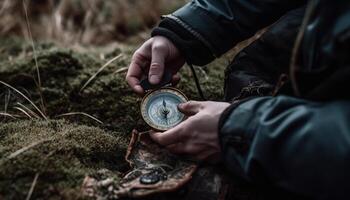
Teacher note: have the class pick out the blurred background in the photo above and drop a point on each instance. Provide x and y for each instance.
(82, 21)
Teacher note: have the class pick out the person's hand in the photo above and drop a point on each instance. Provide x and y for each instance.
(197, 136)
(151, 59)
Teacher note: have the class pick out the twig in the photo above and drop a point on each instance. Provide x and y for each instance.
(81, 113)
(29, 195)
(99, 71)
(25, 97)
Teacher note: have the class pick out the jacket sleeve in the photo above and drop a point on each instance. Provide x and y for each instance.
(297, 145)
(220, 24)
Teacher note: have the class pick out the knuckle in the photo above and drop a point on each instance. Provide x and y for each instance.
(188, 148)
(189, 104)
(182, 135)
(138, 56)
(155, 66)
(158, 46)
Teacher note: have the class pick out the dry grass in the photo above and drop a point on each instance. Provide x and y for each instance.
(81, 113)
(99, 71)
(7, 115)
(83, 21)
(32, 186)
(25, 97)
(23, 111)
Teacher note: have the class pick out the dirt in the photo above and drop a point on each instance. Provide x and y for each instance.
(72, 146)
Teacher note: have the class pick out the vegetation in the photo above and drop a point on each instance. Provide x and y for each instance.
(49, 158)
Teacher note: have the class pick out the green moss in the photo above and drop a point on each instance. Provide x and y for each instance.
(68, 152)
(75, 150)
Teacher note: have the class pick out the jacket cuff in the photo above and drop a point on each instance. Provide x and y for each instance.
(194, 51)
(207, 29)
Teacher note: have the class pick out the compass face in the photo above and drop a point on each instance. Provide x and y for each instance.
(159, 108)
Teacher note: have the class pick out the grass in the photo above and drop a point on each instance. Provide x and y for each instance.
(108, 100)
(38, 82)
(99, 71)
(44, 158)
(82, 22)
(80, 113)
(25, 97)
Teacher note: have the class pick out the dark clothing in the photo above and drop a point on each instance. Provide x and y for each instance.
(258, 68)
(298, 140)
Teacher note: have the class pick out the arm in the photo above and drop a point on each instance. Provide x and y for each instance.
(205, 29)
(301, 146)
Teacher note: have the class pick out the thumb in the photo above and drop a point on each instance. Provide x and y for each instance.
(190, 108)
(157, 64)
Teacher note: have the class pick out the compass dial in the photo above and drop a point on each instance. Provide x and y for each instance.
(159, 108)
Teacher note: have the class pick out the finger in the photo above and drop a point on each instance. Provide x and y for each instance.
(175, 80)
(172, 136)
(176, 148)
(183, 148)
(135, 72)
(157, 64)
(191, 107)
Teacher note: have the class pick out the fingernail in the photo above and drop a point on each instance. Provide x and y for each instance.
(138, 88)
(154, 79)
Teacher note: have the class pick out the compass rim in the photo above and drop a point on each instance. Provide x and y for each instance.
(143, 105)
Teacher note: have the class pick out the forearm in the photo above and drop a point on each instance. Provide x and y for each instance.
(300, 146)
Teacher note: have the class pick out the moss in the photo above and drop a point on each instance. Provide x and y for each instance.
(74, 150)
(69, 152)
(63, 73)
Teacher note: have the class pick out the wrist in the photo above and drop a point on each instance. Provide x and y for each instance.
(192, 50)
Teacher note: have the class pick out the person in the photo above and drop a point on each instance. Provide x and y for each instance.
(285, 122)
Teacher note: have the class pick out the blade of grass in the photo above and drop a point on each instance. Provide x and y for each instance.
(7, 115)
(80, 113)
(7, 100)
(34, 54)
(32, 113)
(29, 195)
(26, 148)
(25, 97)
(121, 70)
(23, 111)
(99, 71)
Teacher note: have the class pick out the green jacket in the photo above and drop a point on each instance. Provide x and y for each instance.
(300, 140)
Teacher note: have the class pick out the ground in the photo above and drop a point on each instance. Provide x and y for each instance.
(61, 149)
(53, 132)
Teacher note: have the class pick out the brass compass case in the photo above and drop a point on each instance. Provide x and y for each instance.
(159, 108)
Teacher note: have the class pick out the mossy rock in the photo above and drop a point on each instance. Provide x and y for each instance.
(61, 154)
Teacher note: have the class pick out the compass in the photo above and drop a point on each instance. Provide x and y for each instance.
(159, 108)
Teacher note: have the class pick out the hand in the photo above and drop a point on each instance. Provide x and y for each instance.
(150, 59)
(197, 136)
